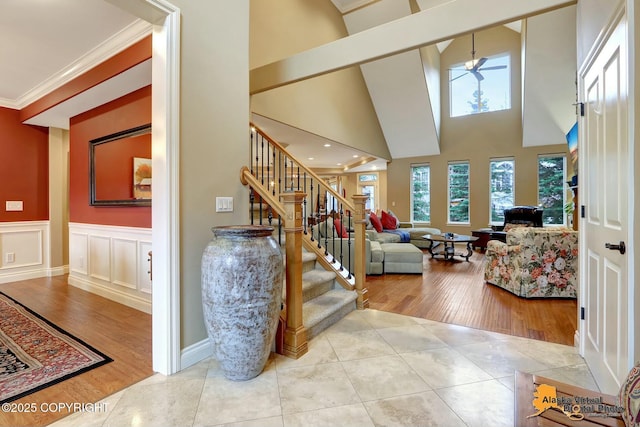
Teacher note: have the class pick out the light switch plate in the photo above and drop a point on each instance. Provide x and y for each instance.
(13, 205)
(224, 204)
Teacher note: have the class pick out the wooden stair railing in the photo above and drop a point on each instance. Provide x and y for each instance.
(284, 189)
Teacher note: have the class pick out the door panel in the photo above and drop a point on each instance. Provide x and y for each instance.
(605, 144)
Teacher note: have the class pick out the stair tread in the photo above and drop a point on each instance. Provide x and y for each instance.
(324, 305)
(313, 277)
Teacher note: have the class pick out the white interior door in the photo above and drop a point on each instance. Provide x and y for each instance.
(604, 184)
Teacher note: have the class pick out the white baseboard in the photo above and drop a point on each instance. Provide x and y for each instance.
(132, 301)
(33, 274)
(23, 275)
(58, 271)
(195, 353)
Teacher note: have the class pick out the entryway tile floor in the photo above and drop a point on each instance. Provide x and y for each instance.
(372, 368)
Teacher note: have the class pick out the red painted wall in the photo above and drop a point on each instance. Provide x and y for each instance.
(24, 168)
(124, 113)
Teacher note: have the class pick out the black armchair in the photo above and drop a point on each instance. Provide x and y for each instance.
(530, 216)
(527, 215)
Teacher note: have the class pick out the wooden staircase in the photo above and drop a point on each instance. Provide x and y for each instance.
(319, 290)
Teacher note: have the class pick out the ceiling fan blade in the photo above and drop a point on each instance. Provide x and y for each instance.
(495, 67)
(480, 63)
(456, 78)
(477, 74)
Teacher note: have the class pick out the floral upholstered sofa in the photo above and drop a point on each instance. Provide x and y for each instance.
(535, 262)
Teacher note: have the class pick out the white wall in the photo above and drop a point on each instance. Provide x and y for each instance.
(591, 18)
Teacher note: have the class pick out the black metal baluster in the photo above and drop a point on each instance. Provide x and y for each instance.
(341, 237)
(349, 242)
(319, 217)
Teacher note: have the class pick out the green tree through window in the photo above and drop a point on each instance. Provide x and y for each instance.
(551, 190)
(459, 192)
(420, 193)
(501, 190)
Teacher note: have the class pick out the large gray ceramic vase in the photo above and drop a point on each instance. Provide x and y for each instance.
(241, 296)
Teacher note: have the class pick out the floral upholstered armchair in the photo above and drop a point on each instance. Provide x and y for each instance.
(535, 262)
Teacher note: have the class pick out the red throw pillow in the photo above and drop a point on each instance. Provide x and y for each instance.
(375, 221)
(340, 229)
(388, 222)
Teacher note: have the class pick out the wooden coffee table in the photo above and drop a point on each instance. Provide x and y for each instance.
(444, 245)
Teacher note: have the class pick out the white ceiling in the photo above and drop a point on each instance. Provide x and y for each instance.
(42, 41)
(45, 44)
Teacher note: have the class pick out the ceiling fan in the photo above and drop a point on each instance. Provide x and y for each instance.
(473, 66)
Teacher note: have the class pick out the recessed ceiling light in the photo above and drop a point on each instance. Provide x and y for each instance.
(355, 156)
(339, 164)
(327, 145)
(310, 158)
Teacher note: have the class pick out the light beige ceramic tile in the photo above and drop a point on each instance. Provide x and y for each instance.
(358, 344)
(198, 370)
(486, 403)
(260, 422)
(444, 367)
(421, 409)
(102, 410)
(225, 401)
(385, 376)
(405, 339)
(344, 416)
(315, 387)
(382, 319)
(500, 358)
(320, 351)
(578, 375)
(168, 403)
(354, 321)
(455, 335)
(552, 354)
(509, 382)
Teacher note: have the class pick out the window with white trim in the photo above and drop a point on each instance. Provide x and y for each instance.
(482, 89)
(552, 194)
(501, 188)
(421, 193)
(458, 192)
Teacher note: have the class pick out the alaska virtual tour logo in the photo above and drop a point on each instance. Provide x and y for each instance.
(574, 407)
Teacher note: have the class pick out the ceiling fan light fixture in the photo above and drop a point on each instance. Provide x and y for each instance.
(470, 64)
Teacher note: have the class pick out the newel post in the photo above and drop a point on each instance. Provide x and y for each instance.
(360, 224)
(295, 334)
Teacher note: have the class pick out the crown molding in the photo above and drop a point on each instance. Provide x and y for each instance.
(113, 45)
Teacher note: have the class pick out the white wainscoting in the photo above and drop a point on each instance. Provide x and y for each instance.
(24, 247)
(112, 261)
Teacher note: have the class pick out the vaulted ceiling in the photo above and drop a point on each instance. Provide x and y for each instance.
(52, 42)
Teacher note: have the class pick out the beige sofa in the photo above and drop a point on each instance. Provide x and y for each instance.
(415, 232)
(374, 247)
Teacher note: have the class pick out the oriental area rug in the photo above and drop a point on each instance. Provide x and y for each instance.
(35, 353)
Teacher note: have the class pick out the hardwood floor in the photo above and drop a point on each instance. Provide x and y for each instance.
(455, 292)
(121, 332)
